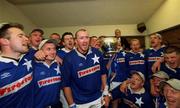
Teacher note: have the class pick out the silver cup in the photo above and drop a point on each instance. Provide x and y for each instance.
(109, 45)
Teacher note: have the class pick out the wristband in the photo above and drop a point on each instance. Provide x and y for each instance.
(72, 105)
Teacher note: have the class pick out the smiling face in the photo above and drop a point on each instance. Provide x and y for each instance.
(82, 41)
(49, 50)
(172, 59)
(172, 96)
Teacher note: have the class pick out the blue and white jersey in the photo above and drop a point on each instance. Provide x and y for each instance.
(47, 81)
(83, 75)
(136, 62)
(159, 102)
(173, 73)
(140, 99)
(152, 55)
(16, 85)
(118, 66)
(62, 52)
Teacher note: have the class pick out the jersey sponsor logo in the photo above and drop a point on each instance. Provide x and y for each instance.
(49, 81)
(151, 59)
(15, 86)
(88, 71)
(121, 60)
(136, 62)
(5, 75)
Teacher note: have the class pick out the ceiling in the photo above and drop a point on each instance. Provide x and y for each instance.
(57, 13)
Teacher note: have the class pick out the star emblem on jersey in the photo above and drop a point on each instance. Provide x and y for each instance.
(96, 59)
(142, 55)
(123, 53)
(139, 101)
(57, 69)
(28, 64)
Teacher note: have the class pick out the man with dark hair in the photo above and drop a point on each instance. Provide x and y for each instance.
(171, 63)
(68, 43)
(16, 89)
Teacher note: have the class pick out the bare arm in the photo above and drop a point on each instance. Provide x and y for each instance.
(103, 79)
(68, 95)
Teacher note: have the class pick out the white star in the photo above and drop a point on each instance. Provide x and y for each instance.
(141, 55)
(139, 101)
(57, 70)
(95, 59)
(28, 64)
(124, 54)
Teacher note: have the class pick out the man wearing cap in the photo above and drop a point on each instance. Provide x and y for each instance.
(136, 95)
(171, 92)
(47, 76)
(155, 92)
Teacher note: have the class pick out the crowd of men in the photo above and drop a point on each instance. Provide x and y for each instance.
(71, 71)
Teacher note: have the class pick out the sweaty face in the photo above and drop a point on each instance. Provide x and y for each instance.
(49, 50)
(35, 39)
(155, 41)
(135, 46)
(82, 41)
(18, 41)
(172, 96)
(172, 59)
(136, 82)
(68, 42)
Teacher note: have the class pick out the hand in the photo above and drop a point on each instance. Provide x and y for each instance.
(156, 66)
(106, 99)
(124, 85)
(39, 55)
(59, 60)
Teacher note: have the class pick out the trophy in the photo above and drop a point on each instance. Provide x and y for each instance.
(109, 45)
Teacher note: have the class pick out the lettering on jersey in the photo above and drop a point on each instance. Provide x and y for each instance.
(5, 75)
(135, 62)
(151, 59)
(15, 86)
(49, 81)
(88, 71)
(120, 60)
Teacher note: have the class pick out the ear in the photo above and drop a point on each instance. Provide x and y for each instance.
(4, 41)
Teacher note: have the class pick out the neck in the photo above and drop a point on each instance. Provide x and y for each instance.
(68, 49)
(136, 90)
(157, 47)
(10, 53)
(82, 52)
(48, 62)
(136, 51)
